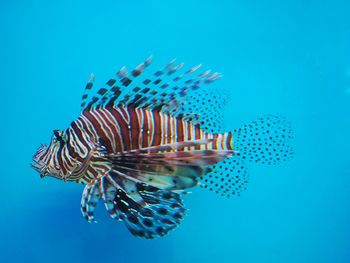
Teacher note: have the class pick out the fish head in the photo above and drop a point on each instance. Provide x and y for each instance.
(45, 160)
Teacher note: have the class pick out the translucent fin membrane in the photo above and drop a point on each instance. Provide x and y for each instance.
(87, 91)
(266, 140)
(147, 211)
(162, 214)
(208, 107)
(227, 178)
(90, 198)
(164, 90)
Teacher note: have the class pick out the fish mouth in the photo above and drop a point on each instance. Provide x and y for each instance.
(44, 170)
(37, 164)
(40, 168)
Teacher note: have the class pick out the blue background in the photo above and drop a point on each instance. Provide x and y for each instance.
(286, 57)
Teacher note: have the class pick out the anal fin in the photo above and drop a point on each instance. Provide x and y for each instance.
(227, 178)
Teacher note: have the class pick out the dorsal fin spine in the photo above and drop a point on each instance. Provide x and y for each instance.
(158, 92)
(87, 89)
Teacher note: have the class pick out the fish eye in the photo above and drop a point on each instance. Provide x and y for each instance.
(58, 137)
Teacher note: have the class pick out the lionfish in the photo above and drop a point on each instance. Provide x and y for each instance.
(143, 140)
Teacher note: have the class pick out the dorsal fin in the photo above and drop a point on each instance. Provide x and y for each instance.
(172, 89)
(115, 85)
(205, 107)
(164, 90)
(87, 90)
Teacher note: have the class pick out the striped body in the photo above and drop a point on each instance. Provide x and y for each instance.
(121, 129)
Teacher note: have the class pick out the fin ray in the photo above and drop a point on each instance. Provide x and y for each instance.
(265, 141)
(91, 196)
(159, 212)
(165, 90)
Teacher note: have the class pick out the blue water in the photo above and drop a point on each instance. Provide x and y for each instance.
(286, 57)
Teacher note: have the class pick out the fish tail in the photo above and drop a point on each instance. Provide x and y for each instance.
(265, 141)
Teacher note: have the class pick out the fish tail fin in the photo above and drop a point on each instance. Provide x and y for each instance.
(265, 141)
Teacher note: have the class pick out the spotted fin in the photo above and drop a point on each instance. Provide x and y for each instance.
(164, 90)
(88, 88)
(91, 196)
(265, 141)
(113, 87)
(147, 211)
(205, 107)
(228, 177)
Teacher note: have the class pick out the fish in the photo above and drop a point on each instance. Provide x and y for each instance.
(143, 140)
